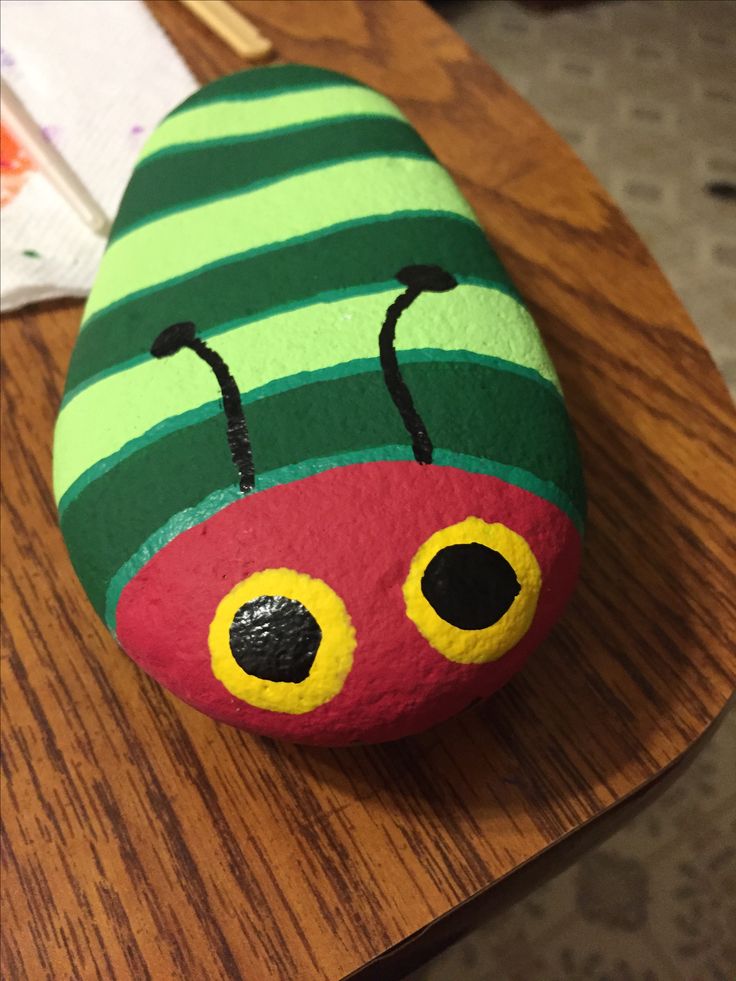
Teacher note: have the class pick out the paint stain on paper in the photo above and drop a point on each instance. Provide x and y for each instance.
(51, 133)
(15, 166)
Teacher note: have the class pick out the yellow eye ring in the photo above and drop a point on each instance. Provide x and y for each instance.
(475, 646)
(332, 661)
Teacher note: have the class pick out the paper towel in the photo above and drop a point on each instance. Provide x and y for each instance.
(97, 76)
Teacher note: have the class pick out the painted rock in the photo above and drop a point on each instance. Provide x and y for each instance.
(313, 466)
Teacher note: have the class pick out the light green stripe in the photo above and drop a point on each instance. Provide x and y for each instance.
(247, 117)
(329, 296)
(103, 418)
(220, 499)
(181, 243)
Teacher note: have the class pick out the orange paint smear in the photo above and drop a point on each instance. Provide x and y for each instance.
(15, 166)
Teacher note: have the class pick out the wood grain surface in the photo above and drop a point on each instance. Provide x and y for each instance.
(142, 840)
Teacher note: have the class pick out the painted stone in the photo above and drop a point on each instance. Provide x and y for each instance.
(313, 465)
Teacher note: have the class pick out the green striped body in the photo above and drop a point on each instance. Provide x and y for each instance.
(273, 209)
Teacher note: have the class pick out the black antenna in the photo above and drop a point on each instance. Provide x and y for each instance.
(418, 280)
(178, 336)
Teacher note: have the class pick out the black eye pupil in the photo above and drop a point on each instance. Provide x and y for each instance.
(470, 586)
(275, 638)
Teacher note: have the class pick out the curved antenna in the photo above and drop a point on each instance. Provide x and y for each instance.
(171, 341)
(418, 280)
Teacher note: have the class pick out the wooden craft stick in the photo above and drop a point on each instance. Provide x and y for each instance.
(235, 30)
(50, 162)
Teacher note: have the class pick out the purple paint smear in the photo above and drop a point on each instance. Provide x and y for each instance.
(135, 130)
(51, 133)
(6, 59)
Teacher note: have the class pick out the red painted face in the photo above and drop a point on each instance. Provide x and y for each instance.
(342, 545)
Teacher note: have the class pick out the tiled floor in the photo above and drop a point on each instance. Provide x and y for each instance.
(646, 94)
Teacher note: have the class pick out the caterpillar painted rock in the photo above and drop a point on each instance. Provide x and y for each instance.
(313, 466)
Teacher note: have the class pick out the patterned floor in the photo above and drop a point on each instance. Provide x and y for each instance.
(645, 92)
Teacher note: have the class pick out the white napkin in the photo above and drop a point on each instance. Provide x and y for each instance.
(97, 76)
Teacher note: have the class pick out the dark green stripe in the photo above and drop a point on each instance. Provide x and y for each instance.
(242, 287)
(216, 142)
(261, 82)
(468, 408)
(170, 183)
(208, 409)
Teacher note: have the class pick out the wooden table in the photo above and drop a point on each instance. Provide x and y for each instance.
(143, 840)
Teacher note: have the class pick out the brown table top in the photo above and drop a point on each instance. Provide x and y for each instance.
(144, 840)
